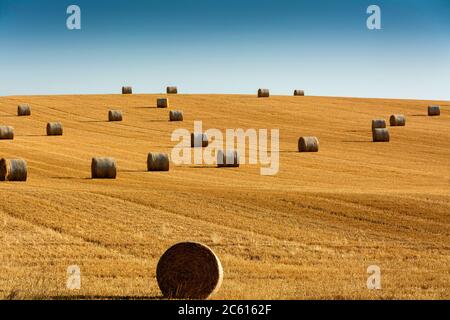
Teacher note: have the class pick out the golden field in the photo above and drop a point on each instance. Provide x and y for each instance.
(309, 232)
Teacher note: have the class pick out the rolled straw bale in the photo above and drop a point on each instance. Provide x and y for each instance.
(115, 115)
(378, 123)
(6, 133)
(199, 140)
(13, 170)
(162, 103)
(103, 168)
(171, 90)
(434, 111)
(299, 93)
(189, 270)
(263, 93)
(157, 161)
(23, 110)
(176, 115)
(308, 144)
(397, 120)
(54, 129)
(127, 90)
(380, 135)
(230, 158)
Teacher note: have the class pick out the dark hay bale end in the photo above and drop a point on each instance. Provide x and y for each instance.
(380, 135)
(230, 158)
(308, 144)
(115, 115)
(263, 93)
(54, 129)
(176, 115)
(378, 123)
(189, 270)
(157, 161)
(199, 140)
(299, 93)
(23, 110)
(103, 168)
(127, 90)
(6, 133)
(172, 90)
(13, 170)
(162, 103)
(397, 120)
(434, 111)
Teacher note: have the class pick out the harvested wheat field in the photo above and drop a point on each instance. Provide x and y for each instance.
(309, 232)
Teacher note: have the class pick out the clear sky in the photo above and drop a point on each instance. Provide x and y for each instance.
(227, 46)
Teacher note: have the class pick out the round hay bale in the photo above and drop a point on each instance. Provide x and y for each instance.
(115, 115)
(54, 129)
(397, 120)
(434, 111)
(13, 170)
(199, 140)
(378, 123)
(230, 158)
(176, 115)
(6, 133)
(127, 90)
(263, 93)
(157, 161)
(189, 270)
(103, 168)
(171, 90)
(23, 110)
(299, 93)
(308, 144)
(162, 103)
(380, 135)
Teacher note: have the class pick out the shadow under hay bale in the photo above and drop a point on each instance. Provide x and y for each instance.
(397, 120)
(115, 115)
(23, 110)
(434, 111)
(378, 124)
(299, 93)
(263, 93)
(229, 158)
(189, 270)
(175, 115)
(103, 168)
(157, 161)
(6, 133)
(54, 129)
(308, 144)
(199, 140)
(127, 90)
(162, 103)
(13, 170)
(380, 135)
(171, 90)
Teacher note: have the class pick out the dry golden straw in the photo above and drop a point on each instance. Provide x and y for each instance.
(103, 168)
(162, 103)
(157, 161)
(176, 115)
(54, 129)
(380, 135)
(23, 110)
(397, 120)
(299, 93)
(115, 115)
(13, 170)
(199, 140)
(171, 90)
(6, 133)
(189, 270)
(263, 93)
(434, 111)
(378, 123)
(230, 158)
(127, 90)
(308, 144)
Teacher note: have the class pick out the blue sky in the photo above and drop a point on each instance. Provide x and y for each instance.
(232, 46)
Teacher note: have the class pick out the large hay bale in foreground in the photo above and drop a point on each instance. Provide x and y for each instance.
(115, 115)
(176, 115)
(23, 110)
(378, 123)
(172, 90)
(380, 135)
(189, 270)
(13, 170)
(263, 93)
(299, 93)
(103, 168)
(6, 133)
(199, 140)
(229, 158)
(127, 90)
(308, 144)
(397, 120)
(157, 161)
(162, 103)
(434, 111)
(54, 129)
